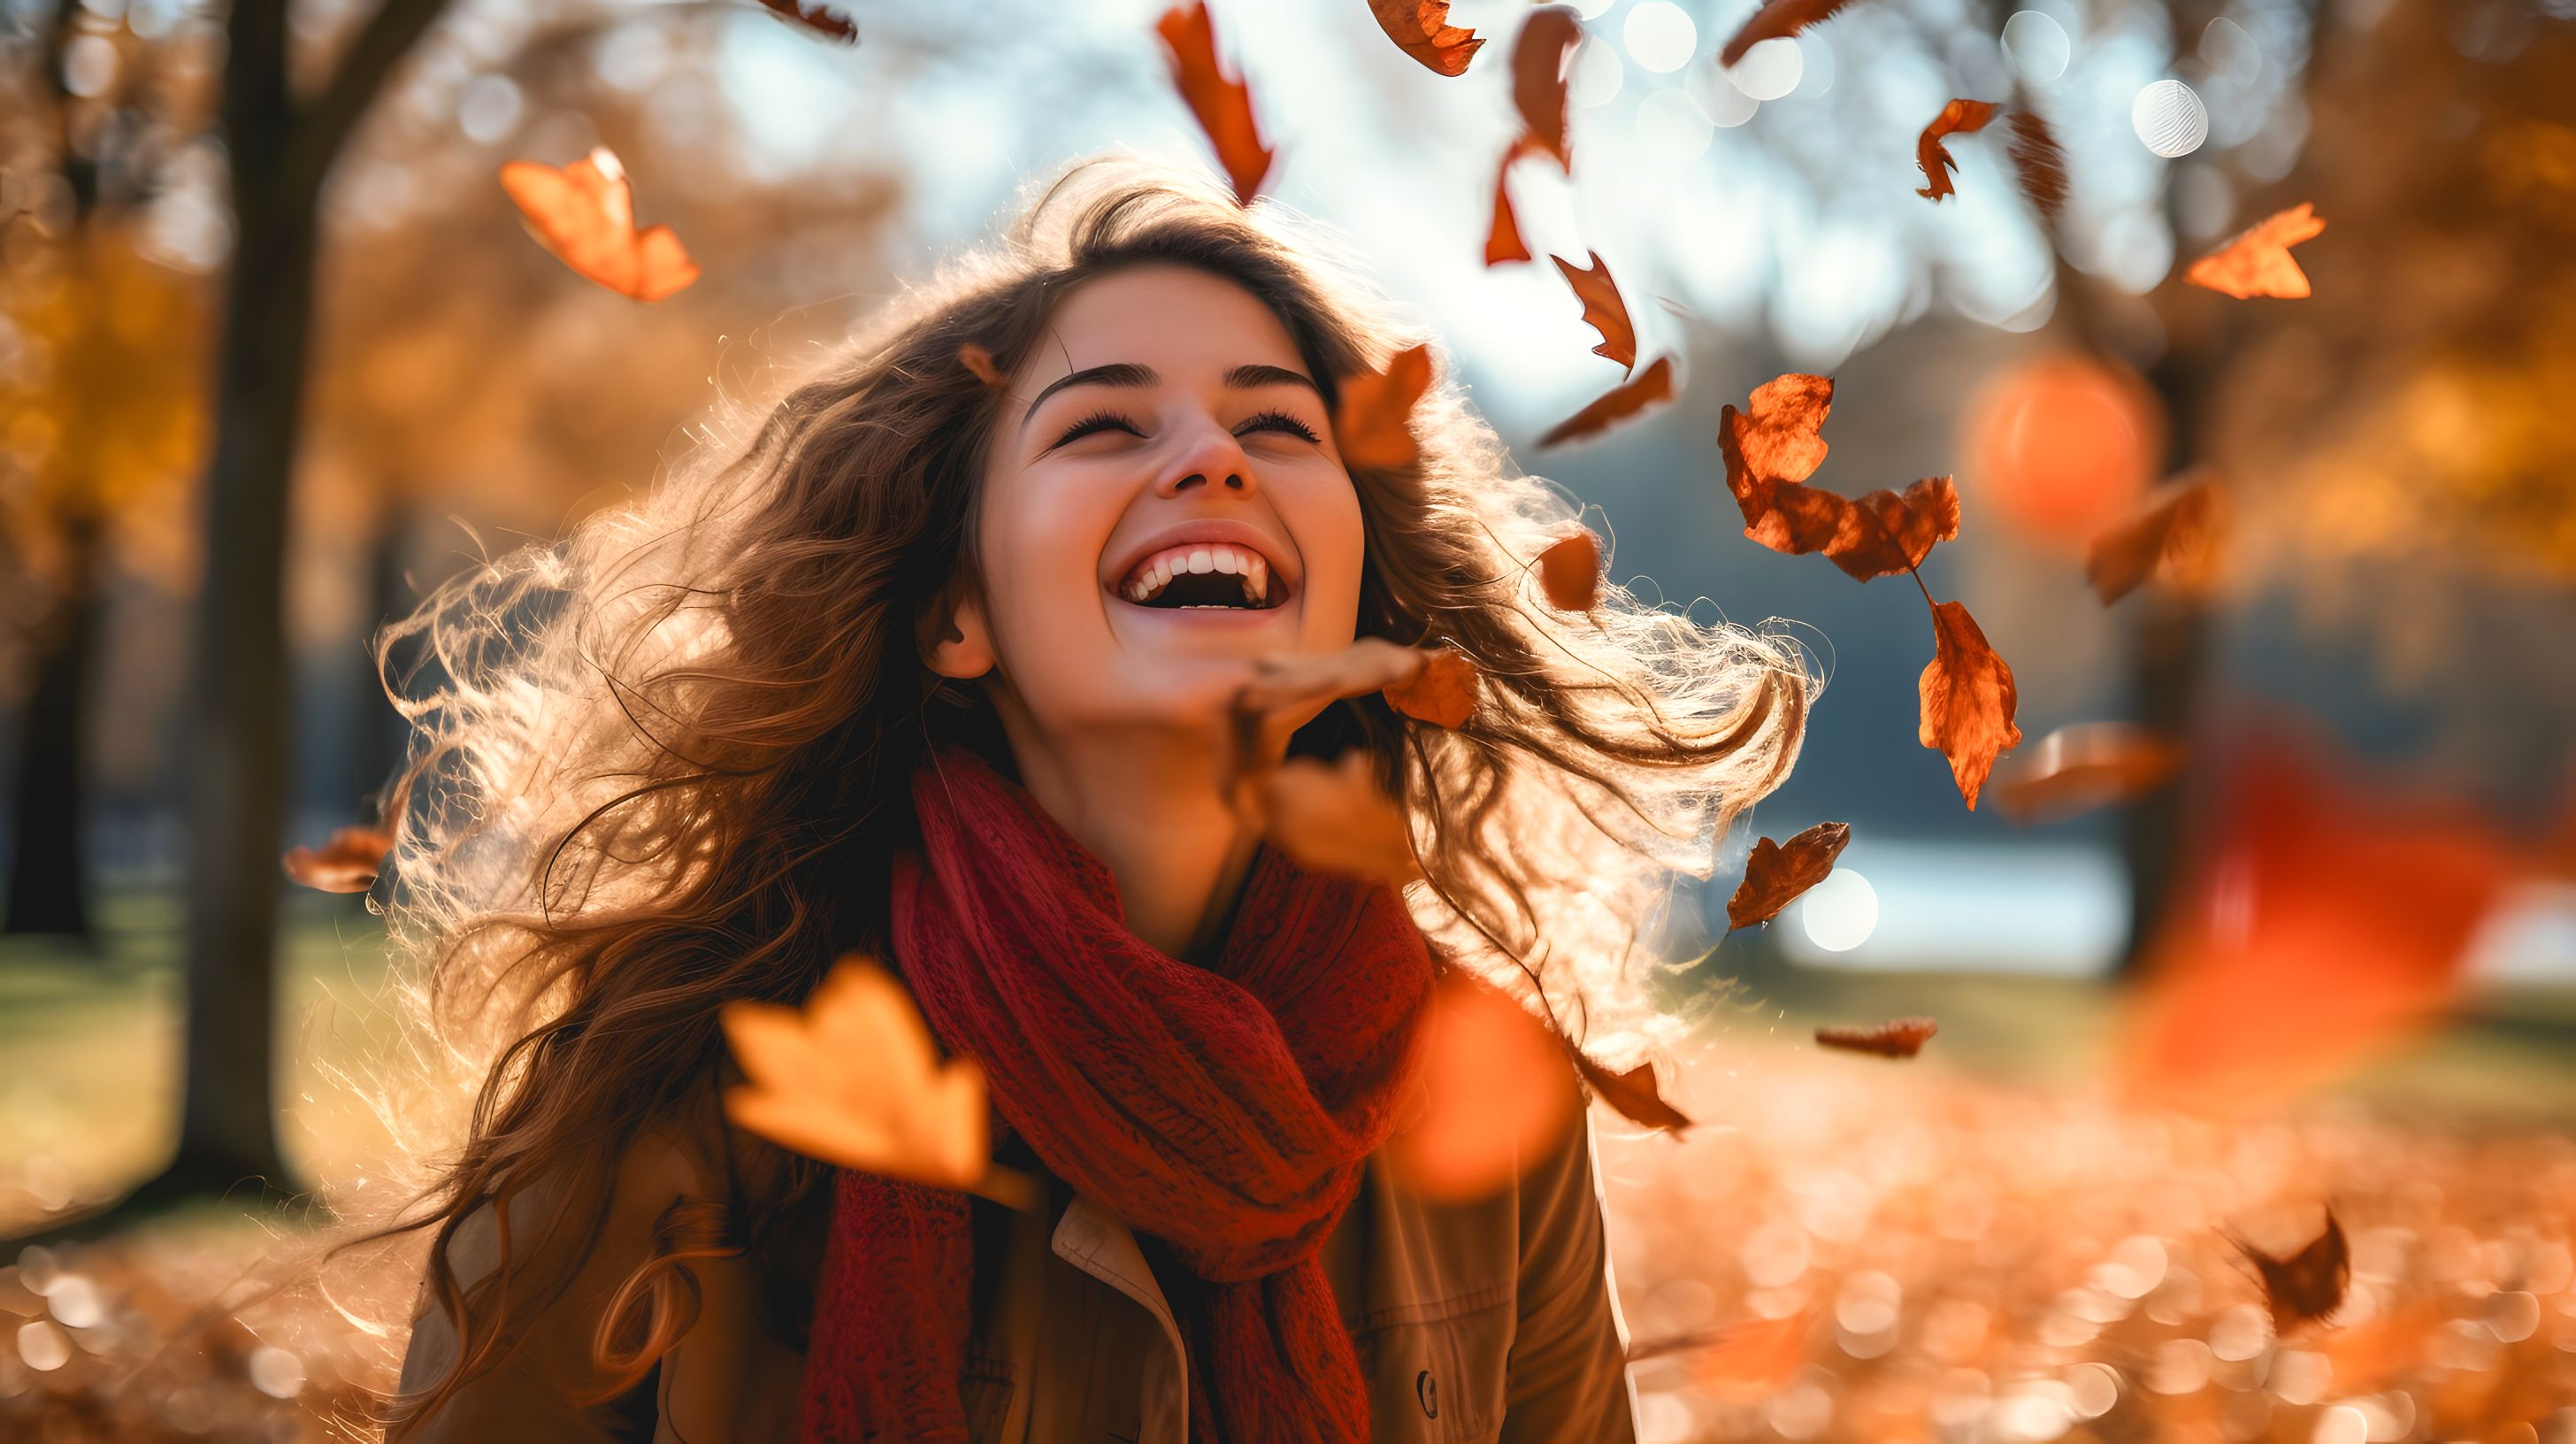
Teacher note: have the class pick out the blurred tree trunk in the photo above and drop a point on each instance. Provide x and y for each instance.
(280, 148)
(47, 880)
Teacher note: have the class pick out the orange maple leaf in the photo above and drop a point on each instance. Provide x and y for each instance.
(1968, 699)
(1222, 104)
(1959, 117)
(1603, 310)
(2258, 261)
(1421, 29)
(1641, 392)
(1775, 874)
(1373, 418)
(1773, 445)
(585, 214)
(854, 1078)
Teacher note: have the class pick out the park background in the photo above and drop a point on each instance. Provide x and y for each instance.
(207, 506)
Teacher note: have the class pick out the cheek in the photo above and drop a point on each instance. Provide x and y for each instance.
(1040, 539)
(1334, 544)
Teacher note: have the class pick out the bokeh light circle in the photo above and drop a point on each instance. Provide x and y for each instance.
(2037, 46)
(1596, 73)
(1659, 35)
(2169, 119)
(1770, 70)
(1672, 128)
(1841, 912)
(2062, 445)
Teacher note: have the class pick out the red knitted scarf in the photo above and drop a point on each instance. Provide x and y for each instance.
(1226, 1110)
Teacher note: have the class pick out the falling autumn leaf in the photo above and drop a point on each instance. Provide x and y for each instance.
(2321, 922)
(854, 1078)
(1603, 310)
(1896, 1038)
(1547, 39)
(1968, 699)
(1774, 875)
(1373, 420)
(1222, 104)
(1639, 393)
(2038, 160)
(2084, 766)
(2305, 1286)
(349, 862)
(2171, 537)
(1441, 691)
(1775, 19)
(585, 214)
(1777, 441)
(2258, 262)
(1495, 1094)
(1421, 29)
(1634, 1095)
(817, 19)
(980, 361)
(1503, 241)
(1959, 117)
(1331, 817)
(1569, 572)
(1300, 680)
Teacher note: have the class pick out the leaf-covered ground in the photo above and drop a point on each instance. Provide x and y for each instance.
(1842, 1248)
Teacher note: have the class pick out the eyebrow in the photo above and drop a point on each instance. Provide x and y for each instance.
(1131, 375)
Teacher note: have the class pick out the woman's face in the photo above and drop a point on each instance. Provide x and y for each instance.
(1162, 504)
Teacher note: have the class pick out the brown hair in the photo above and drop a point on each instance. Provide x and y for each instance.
(664, 762)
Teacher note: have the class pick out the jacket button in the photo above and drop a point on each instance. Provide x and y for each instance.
(1427, 1389)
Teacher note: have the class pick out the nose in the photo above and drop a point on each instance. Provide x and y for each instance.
(1209, 461)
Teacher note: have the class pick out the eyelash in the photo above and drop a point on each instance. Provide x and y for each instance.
(1111, 420)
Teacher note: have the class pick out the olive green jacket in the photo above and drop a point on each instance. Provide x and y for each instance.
(1492, 1321)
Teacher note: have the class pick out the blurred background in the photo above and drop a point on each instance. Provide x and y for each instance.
(277, 357)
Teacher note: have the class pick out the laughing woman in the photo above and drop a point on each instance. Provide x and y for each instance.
(934, 666)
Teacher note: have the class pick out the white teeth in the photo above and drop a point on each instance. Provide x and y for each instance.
(1227, 559)
(1152, 576)
(1202, 561)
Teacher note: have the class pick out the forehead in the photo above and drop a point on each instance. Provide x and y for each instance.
(1170, 318)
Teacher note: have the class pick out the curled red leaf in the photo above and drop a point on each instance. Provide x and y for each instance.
(1959, 117)
(1633, 1094)
(1570, 573)
(1603, 310)
(1546, 41)
(1421, 29)
(817, 19)
(1503, 239)
(1775, 19)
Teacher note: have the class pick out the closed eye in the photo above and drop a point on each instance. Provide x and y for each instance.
(1113, 421)
(1277, 421)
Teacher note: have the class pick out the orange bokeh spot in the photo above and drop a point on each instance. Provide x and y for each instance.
(2063, 444)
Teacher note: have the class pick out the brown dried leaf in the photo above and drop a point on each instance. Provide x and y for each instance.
(817, 19)
(1222, 104)
(1570, 573)
(1775, 19)
(1776, 874)
(1373, 422)
(349, 862)
(2172, 537)
(2306, 1286)
(1633, 1094)
(1639, 393)
(1503, 241)
(1300, 680)
(1441, 691)
(1603, 310)
(2084, 766)
(1959, 117)
(1331, 817)
(1421, 29)
(1547, 39)
(855, 1079)
(2039, 160)
(1968, 699)
(1780, 433)
(1896, 1038)
(2258, 262)
(1779, 440)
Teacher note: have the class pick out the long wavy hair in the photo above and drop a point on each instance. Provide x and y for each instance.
(662, 764)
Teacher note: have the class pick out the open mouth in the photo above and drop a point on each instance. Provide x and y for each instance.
(1204, 576)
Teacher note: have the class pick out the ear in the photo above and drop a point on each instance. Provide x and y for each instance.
(955, 642)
